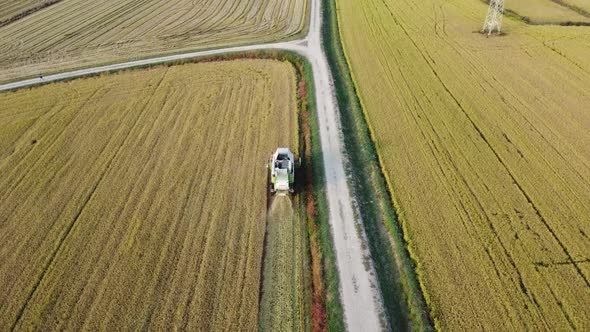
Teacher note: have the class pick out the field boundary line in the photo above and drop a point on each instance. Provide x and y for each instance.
(576, 9)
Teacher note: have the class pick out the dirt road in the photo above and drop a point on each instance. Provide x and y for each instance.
(359, 290)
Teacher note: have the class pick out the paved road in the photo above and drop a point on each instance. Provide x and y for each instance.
(359, 291)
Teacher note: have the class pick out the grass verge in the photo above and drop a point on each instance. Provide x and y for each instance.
(326, 310)
(402, 295)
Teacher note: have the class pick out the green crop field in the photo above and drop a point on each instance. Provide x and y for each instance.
(74, 33)
(485, 146)
(137, 200)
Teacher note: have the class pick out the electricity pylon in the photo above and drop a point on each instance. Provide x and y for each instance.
(494, 17)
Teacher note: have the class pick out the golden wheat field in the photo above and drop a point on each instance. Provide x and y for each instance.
(138, 200)
(485, 143)
(549, 11)
(578, 5)
(74, 33)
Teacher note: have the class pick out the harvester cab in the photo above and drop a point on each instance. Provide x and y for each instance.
(282, 171)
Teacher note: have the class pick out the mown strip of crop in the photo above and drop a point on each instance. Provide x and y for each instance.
(326, 310)
(116, 39)
(403, 298)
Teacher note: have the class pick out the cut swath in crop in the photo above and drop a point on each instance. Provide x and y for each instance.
(283, 290)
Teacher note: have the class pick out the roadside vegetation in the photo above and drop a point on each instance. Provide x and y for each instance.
(76, 33)
(138, 199)
(326, 311)
(484, 146)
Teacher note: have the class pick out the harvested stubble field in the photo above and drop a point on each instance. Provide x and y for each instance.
(486, 149)
(11, 10)
(74, 33)
(138, 200)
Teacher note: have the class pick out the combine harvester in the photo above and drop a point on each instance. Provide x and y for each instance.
(282, 172)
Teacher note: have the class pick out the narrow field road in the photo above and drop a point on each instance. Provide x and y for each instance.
(359, 290)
